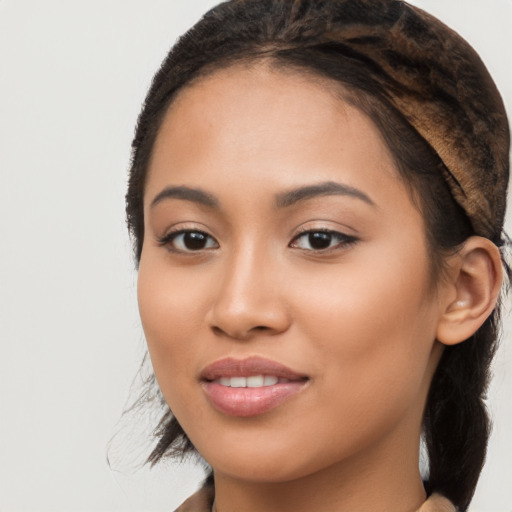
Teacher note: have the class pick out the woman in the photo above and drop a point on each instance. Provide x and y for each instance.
(316, 200)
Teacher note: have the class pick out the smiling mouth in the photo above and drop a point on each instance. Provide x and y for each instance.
(253, 381)
(249, 387)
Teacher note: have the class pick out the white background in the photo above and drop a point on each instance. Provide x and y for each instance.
(73, 75)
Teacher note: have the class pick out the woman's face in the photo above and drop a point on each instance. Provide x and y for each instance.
(283, 254)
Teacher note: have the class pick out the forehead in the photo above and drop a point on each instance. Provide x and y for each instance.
(242, 117)
(270, 77)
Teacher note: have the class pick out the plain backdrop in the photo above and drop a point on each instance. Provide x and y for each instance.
(73, 75)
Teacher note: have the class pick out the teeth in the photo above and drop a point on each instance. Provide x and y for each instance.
(253, 381)
(238, 382)
(270, 380)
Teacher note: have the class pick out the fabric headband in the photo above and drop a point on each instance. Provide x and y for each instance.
(442, 88)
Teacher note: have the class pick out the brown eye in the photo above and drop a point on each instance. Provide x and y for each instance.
(189, 241)
(321, 240)
(195, 241)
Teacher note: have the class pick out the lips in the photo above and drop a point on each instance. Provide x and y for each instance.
(249, 387)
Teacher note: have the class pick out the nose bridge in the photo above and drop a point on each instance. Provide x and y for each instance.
(248, 297)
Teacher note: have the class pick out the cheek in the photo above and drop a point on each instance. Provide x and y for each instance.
(170, 306)
(373, 328)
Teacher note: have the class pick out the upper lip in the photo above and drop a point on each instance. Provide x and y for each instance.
(231, 367)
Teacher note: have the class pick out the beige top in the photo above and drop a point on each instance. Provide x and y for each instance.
(202, 501)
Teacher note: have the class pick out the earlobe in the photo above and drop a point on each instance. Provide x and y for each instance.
(474, 284)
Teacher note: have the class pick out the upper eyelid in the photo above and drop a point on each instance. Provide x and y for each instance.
(349, 239)
(186, 227)
(304, 230)
(171, 234)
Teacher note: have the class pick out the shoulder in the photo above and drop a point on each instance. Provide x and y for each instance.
(437, 503)
(201, 501)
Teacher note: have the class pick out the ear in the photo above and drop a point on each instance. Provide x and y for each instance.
(470, 295)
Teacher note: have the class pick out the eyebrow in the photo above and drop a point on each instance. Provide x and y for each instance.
(329, 188)
(195, 195)
(283, 200)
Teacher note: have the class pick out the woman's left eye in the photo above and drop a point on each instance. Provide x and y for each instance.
(321, 240)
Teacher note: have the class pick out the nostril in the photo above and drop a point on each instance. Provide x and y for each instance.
(217, 330)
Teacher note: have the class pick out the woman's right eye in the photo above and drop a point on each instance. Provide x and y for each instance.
(188, 241)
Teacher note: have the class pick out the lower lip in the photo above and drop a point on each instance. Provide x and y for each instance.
(250, 401)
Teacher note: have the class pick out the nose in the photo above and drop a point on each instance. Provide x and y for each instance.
(249, 299)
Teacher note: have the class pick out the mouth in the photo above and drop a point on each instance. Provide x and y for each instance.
(249, 387)
(253, 381)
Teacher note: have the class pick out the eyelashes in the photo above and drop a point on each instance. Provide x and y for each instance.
(190, 241)
(321, 240)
